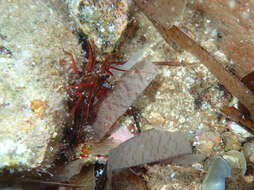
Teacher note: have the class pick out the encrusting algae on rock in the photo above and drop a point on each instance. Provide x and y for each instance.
(103, 21)
(32, 82)
(39, 107)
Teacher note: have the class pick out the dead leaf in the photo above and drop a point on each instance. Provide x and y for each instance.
(148, 147)
(126, 91)
(154, 9)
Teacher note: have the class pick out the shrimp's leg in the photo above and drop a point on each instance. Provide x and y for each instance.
(77, 103)
(73, 62)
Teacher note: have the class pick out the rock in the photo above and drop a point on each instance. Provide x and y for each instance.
(32, 93)
(249, 179)
(231, 141)
(206, 148)
(206, 142)
(103, 21)
(156, 118)
(248, 150)
(236, 161)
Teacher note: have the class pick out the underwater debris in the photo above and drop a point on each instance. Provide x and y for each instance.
(237, 116)
(148, 147)
(122, 96)
(29, 182)
(232, 84)
(124, 133)
(71, 169)
(248, 80)
(218, 68)
(233, 20)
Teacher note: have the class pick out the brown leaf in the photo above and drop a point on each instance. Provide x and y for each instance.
(154, 9)
(248, 80)
(149, 147)
(237, 116)
(126, 90)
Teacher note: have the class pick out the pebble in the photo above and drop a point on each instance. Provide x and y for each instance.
(103, 21)
(249, 179)
(248, 150)
(207, 141)
(231, 141)
(236, 161)
(156, 118)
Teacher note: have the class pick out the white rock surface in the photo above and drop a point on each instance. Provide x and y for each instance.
(32, 80)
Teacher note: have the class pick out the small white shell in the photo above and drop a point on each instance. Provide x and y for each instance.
(239, 131)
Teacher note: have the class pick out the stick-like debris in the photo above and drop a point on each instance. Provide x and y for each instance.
(160, 18)
(174, 63)
(232, 84)
(236, 115)
(234, 26)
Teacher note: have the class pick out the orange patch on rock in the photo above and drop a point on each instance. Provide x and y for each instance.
(38, 107)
